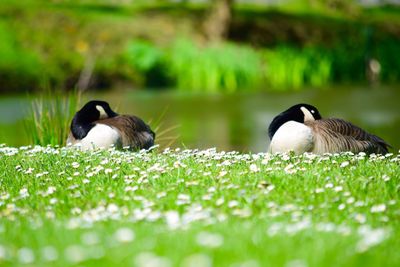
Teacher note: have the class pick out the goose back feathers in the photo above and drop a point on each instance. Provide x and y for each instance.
(337, 135)
(135, 132)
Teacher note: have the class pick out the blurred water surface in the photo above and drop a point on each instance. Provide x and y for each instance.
(229, 122)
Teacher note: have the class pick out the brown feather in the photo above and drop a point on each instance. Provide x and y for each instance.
(337, 135)
(134, 132)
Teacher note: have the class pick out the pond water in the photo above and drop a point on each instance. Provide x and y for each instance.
(229, 122)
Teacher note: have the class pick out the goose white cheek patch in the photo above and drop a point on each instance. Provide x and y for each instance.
(307, 114)
(103, 114)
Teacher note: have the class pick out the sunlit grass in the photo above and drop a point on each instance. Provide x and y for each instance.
(63, 207)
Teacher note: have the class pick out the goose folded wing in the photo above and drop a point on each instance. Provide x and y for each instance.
(135, 132)
(339, 135)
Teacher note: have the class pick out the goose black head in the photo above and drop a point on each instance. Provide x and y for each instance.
(92, 111)
(299, 113)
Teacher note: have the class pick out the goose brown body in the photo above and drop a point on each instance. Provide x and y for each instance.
(97, 126)
(302, 129)
(134, 132)
(337, 135)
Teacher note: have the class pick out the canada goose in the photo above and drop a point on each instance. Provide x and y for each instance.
(95, 125)
(301, 129)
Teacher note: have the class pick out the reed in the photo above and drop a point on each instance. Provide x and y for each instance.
(166, 136)
(223, 67)
(220, 67)
(50, 116)
(293, 68)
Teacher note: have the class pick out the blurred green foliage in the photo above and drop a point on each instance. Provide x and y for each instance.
(287, 67)
(19, 67)
(389, 56)
(141, 46)
(143, 55)
(149, 61)
(189, 66)
(218, 67)
(227, 67)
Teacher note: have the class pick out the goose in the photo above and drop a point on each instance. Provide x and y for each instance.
(302, 129)
(96, 125)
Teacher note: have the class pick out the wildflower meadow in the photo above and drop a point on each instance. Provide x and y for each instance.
(65, 207)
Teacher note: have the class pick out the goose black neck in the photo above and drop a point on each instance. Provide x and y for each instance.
(81, 125)
(281, 119)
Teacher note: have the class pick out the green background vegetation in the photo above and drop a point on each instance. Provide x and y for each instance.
(162, 45)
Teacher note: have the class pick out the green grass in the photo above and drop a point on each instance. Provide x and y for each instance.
(61, 207)
(50, 116)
